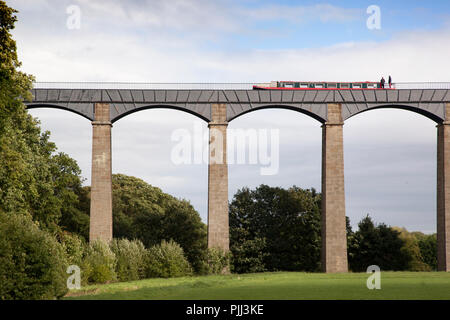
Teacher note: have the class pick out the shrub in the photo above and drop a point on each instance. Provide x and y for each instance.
(99, 263)
(131, 259)
(249, 255)
(167, 260)
(428, 250)
(217, 261)
(74, 247)
(32, 262)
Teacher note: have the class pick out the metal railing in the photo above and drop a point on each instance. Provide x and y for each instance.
(143, 86)
(421, 85)
(203, 86)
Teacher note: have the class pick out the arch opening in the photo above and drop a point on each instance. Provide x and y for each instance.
(299, 164)
(145, 145)
(71, 134)
(390, 169)
(428, 114)
(298, 161)
(313, 115)
(160, 106)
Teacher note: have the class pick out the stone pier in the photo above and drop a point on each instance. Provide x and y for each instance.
(334, 237)
(218, 228)
(443, 192)
(101, 185)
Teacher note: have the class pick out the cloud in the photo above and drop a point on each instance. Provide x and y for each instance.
(302, 14)
(121, 41)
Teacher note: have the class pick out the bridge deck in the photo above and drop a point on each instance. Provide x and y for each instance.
(430, 102)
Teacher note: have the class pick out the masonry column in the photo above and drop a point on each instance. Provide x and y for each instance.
(218, 228)
(101, 185)
(443, 192)
(334, 235)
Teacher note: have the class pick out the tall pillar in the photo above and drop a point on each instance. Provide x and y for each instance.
(334, 235)
(218, 228)
(443, 192)
(101, 185)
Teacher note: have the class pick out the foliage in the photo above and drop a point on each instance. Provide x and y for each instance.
(167, 260)
(131, 259)
(99, 263)
(412, 249)
(68, 187)
(74, 247)
(32, 263)
(144, 212)
(249, 255)
(32, 178)
(14, 85)
(377, 245)
(428, 249)
(275, 229)
(216, 261)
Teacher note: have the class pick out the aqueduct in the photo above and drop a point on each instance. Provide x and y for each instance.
(218, 107)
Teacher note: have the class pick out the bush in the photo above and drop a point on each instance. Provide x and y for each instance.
(74, 247)
(99, 263)
(248, 256)
(144, 212)
(32, 262)
(167, 260)
(217, 261)
(131, 259)
(411, 249)
(428, 250)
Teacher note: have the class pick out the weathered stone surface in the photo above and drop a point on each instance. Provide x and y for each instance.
(218, 225)
(334, 237)
(101, 186)
(443, 193)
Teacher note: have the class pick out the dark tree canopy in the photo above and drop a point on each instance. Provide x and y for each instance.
(275, 229)
(378, 245)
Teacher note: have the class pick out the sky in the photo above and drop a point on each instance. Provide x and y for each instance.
(389, 154)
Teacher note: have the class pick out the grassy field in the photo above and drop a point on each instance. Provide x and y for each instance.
(278, 286)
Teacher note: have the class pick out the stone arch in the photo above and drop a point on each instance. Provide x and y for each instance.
(84, 110)
(435, 112)
(315, 111)
(202, 111)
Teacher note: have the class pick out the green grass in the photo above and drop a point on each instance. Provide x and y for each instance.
(279, 286)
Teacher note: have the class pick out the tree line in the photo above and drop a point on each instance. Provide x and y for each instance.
(274, 229)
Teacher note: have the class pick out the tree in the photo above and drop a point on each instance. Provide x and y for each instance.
(428, 249)
(74, 198)
(377, 245)
(275, 229)
(32, 263)
(14, 85)
(144, 212)
(33, 179)
(412, 249)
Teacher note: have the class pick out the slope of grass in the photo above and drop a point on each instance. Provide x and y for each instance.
(279, 286)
